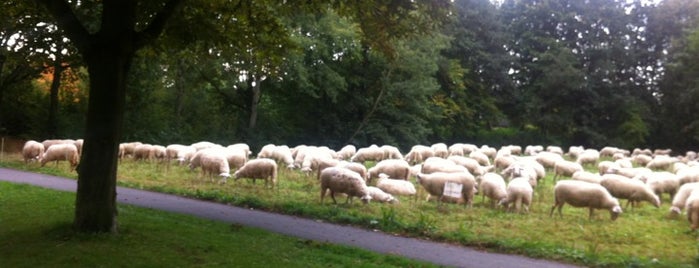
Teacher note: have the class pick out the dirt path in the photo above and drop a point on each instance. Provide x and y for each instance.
(438, 253)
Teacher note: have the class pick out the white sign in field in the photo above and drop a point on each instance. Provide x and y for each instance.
(452, 189)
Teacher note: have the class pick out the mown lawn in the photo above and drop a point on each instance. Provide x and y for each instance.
(35, 232)
(643, 236)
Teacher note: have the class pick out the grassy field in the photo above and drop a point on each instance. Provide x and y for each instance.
(641, 237)
(35, 232)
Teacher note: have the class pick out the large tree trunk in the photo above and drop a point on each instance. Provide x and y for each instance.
(95, 208)
(254, 85)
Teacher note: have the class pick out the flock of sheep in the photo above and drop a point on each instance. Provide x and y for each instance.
(506, 176)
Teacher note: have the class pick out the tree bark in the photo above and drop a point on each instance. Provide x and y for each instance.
(254, 101)
(95, 208)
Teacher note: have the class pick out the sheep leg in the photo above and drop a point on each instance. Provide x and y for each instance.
(322, 194)
(591, 212)
(332, 195)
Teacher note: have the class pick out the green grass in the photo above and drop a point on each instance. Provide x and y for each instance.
(35, 232)
(641, 237)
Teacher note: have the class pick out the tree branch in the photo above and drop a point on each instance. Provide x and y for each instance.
(66, 20)
(156, 26)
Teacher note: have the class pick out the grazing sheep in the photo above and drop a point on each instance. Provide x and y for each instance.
(521, 169)
(143, 152)
(391, 152)
(266, 151)
(394, 186)
(438, 164)
(282, 154)
(158, 152)
(661, 182)
(574, 151)
(586, 176)
(241, 147)
(565, 168)
(519, 192)
(584, 194)
(692, 208)
(493, 186)
(689, 174)
(127, 148)
(641, 159)
(481, 157)
(381, 196)
(79, 144)
(236, 158)
(182, 153)
(471, 164)
(212, 161)
(661, 162)
(418, 154)
(680, 199)
(394, 168)
(662, 152)
(434, 184)
(63, 151)
(342, 180)
(440, 150)
(532, 150)
(49, 143)
(608, 151)
(628, 172)
(555, 149)
(503, 161)
(589, 156)
(548, 159)
(634, 191)
(456, 149)
(356, 167)
(488, 151)
(371, 153)
(260, 168)
(204, 145)
(32, 151)
(604, 166)
(347, 152)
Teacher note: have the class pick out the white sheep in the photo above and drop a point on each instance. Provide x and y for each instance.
(574, 151)
(182, 153)
(371, 153)
(260, 168)
(689, 174)
(604, 166)
(555, 149)
(493, 186)
(565, 168)
(158, 152)
(680, 199)
(440, 150)
(548, 159)
(519, 192)
(438, 164)
(49, 143)
(342, 180)
(418, 154)
(584, 194)
(212, 161)
(589, 156)
(641, 159)
(380, 196)
(586, 176)
(632, 190)
(204, 145)
(521, 169)
(503, 161)
(456, 149)
(661, 162)
(434, 184)
(628, 172)
(356, 167)
(242, 147)
(692, 208)
(471, 164)
(490, 152)
(661, 182)
(143, 152)
(127, 148)
(394, 168)
(608, 151)
(395, 186)
(32, 151)
(282, 154)
(533, 149)
(481, 157)
(346, 152)
(61, 152)
(391, 152)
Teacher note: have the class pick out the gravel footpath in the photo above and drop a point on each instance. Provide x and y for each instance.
(434, 252)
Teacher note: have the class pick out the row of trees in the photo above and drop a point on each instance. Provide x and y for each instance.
(595, 73)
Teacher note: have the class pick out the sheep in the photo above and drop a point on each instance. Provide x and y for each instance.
(371, 153)
(641, 159)
(236, 158)
(32, 150)
(142, 152)
(548, 159)
(63, 151)
(574, 151)
(490, 152)
(662, 152)
(437, 164)
(632, 190)
(555, 149)
(521, 169)
(342, 180)
(381, 196)
(182, 153)
(586, 176)
(282, 154)
(533, 149)
(481, 157)
(391, 152)
(624, 163)
(681, 196)
(79, 144)
(356, 167)
(692, 208)
(604, 166)
(440, 150)
(456, 149)
(493, 186)
(565, 168)
(471, 164)
(628, 172)
(608, 151)
(212, 161)
(434, 184)
(503, 161)
(204, 145)
(347, 152)
(394, 186)
(127, 148)
(260, 168)
(394, 168)
(515, 149)
(49, 143)
(589, 156)
(661, 182)
(584, 194)
(266, 151)
(687, 175)
(158, 152)
(519, 192)
(661, 162)
(418, 154)
(242, 147)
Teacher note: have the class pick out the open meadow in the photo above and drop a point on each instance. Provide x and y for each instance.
(642, 236)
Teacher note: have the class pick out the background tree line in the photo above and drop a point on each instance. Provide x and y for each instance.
(592, 73)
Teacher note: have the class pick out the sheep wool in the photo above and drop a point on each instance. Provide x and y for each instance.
(680, 199)
(519, 192)
(395, 186)
(61, 152)
(692, 208)
(493, 186)
(260, 168)
(32, 151)
(633, 190)
(434, 184)
(381, 196)
(394, 168)
(342, 180)
(584, 194)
